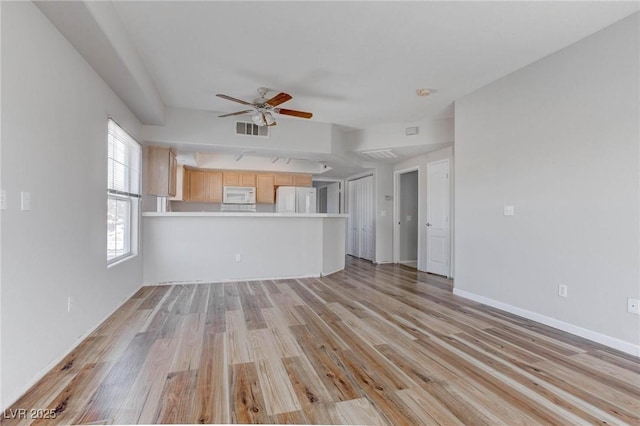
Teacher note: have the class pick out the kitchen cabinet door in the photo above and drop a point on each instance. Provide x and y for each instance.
(302, 180)
(214, 187)
(161, 171)
(231, 179)
(186, 184)
(197, 186)
(283, 179)
(265, 189)
(247, 179)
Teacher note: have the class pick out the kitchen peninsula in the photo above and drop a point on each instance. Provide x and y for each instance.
(217, 246)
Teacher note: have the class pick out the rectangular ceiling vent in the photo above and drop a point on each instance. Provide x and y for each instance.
(380, 154)
(251, 129)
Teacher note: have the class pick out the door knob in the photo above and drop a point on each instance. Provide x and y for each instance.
(428, 224)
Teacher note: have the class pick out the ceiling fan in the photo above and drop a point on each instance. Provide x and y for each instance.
(263, 108)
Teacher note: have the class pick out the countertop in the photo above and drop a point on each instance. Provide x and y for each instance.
(243, 214)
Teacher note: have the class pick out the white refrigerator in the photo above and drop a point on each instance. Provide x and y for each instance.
(295, 199)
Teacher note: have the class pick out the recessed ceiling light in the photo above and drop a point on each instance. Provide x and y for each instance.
(423, 92)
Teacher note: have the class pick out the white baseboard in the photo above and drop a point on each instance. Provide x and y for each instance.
(79, 340)
(324, 274)
(594, 336)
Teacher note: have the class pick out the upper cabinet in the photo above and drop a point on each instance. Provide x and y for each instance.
(206, 186)
(161, 171)
(231, 178)
(301, 180)
(238, 178)
(283, 179)
(247, 179)
(265, 189)
(292, 179)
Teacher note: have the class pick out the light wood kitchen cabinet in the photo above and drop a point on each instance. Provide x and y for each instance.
(196, 182)
(214, 187)
(231, 178)
(292, 179)
(239, 179)
(161, 171)
(265, 189)
(302, 180)
(202, 186)
(247, 179)
(283, 179)
(206, 186)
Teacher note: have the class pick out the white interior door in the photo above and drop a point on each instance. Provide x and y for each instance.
(352, 248)
(438, 220)
(361, 218)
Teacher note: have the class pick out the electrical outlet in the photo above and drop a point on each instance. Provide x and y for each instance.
(562, 290)
(238, 257)
(633, 306)
(69, 303)
(3, 199)
(509, 210)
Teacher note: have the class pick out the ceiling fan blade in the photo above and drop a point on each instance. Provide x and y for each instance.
(293, 113)
(229, 98)
(235, 113)
(278, 99)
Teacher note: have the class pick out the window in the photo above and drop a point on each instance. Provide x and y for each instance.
(123, 193)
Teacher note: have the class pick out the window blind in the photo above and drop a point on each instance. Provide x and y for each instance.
(124, 155)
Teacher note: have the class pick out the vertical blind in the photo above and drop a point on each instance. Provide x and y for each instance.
(124, 162)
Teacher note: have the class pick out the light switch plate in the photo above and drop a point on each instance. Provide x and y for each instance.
(383, 213)
(3, 199)
(25, 201)
(509, 210)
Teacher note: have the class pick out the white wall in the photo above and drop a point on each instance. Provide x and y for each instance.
(54, 122)
(204, 248)
(421, 162)
(559, 140)
(386, 136)
(383, 181)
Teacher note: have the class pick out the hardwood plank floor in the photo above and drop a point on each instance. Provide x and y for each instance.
(381, 344)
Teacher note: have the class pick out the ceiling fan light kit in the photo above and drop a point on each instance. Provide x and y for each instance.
(264, 108)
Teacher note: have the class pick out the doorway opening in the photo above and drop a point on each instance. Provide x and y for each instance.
(406, 214)
(329, 196)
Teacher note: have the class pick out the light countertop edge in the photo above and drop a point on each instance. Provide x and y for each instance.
(243, 214)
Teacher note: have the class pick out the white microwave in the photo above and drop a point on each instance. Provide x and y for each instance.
(239, 195)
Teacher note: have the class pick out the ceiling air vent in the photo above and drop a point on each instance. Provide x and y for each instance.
(251, 129)
(380, 154)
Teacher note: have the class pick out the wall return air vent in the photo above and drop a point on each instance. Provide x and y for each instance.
(380, 154)
(251, 129)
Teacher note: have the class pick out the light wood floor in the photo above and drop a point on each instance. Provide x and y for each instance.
(368, 345)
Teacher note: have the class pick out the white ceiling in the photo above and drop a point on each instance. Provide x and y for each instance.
(356, 64)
